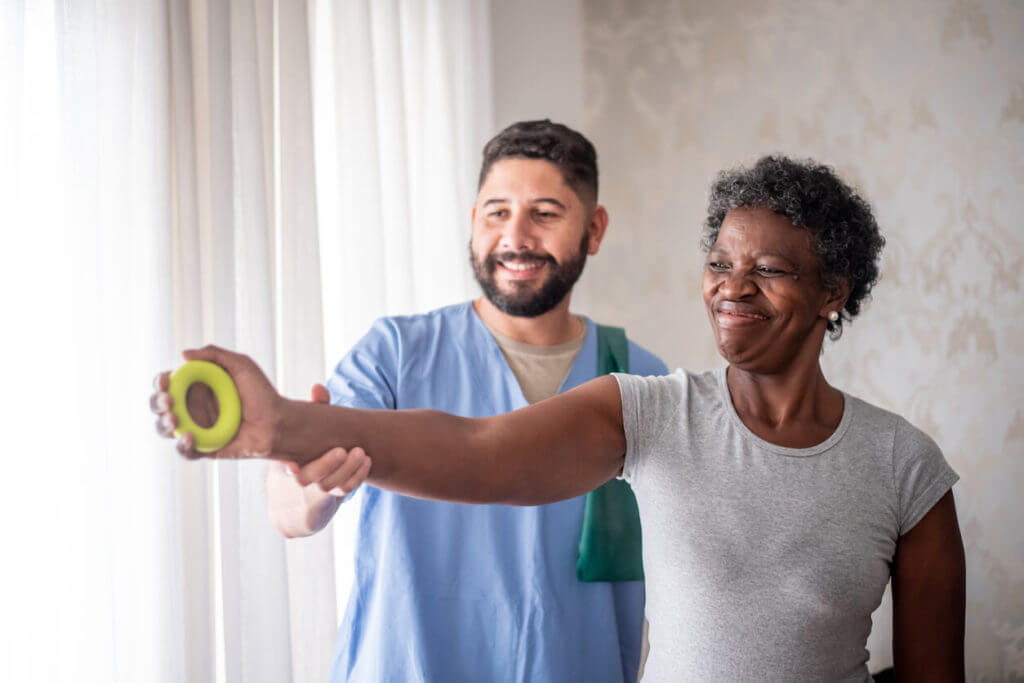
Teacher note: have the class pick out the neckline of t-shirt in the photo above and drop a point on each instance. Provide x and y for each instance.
(837, 435)
(540, 350)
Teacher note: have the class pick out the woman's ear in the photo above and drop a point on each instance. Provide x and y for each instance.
(837, 296)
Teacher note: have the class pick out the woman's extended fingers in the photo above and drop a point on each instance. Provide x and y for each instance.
(234, 363)
(166, 423)
(187, 446)
(160, 402)
(162, 381)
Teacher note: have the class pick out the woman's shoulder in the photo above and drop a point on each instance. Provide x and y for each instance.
(658, 397)
(679, 382)
(906, 437)
(919, 471)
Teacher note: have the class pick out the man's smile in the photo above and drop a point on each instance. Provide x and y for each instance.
(521, 270)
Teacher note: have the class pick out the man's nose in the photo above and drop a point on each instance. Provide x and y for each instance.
(518, 234)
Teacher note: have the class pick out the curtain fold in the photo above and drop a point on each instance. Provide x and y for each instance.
(91, 505)
(268, 176)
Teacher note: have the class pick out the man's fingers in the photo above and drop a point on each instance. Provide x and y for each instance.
(321, 467)
(353, 482)
(320, 394)
(348, 470)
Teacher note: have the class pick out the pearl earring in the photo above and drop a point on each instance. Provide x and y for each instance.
(833, 316)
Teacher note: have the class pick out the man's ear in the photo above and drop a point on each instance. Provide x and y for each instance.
(597, 226)
(837, 296)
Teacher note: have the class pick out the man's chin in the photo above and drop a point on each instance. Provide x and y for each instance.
(521, 302)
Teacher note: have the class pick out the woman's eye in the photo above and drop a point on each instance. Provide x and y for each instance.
(770, 272)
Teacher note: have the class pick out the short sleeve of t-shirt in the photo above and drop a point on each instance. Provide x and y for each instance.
(921, 474)
(649, 406)
(368, 374)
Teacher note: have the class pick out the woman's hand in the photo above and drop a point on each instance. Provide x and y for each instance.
(261, 407)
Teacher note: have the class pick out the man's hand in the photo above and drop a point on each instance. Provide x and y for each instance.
(296, 510)
(260, 407)
(337, 472)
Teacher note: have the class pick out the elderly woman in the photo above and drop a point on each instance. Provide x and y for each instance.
(774, 507)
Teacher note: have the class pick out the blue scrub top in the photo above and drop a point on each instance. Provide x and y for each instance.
(446, 592)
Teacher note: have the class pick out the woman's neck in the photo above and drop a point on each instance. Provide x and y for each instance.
(797, 408)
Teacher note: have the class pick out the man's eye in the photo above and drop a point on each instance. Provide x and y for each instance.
(498, 213)
(717, 266)
(547, 214)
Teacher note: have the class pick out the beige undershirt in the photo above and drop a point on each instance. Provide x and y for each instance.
(540, 370)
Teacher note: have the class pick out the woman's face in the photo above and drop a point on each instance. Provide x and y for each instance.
(763, 292)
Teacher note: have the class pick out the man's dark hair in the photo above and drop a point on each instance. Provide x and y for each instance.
(572, 153)
(843, 230)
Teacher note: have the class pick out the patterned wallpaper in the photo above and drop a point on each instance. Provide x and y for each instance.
(921, 105)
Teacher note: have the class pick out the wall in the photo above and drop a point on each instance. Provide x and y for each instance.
(921, 105)
(537, 61)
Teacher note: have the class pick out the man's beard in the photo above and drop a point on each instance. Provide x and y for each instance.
(524, 301)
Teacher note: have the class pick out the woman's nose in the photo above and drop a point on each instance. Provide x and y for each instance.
(737, 284)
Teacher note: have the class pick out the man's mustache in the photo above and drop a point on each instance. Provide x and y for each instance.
(519, 257)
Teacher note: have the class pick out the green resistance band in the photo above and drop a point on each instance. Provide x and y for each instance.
(610, 547)
(228, 402)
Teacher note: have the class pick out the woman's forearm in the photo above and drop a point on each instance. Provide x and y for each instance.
(553, 450)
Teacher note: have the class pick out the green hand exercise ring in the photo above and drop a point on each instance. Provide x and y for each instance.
(223, 387)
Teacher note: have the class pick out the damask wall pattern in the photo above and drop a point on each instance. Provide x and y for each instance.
(920, 104)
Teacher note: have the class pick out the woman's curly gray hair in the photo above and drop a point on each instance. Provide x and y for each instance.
(843, 230)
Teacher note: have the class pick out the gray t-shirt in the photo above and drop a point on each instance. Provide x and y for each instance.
(764, 563)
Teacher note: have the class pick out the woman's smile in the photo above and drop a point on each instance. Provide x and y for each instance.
(737, 314)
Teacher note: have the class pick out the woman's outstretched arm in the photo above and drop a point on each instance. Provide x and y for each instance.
(552, 450)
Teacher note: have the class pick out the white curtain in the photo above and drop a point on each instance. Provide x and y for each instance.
(260, 174)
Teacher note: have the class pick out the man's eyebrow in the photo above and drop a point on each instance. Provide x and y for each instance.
(551, 200)
(540, 200)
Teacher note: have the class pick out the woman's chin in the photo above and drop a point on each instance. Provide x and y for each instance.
(732, 352)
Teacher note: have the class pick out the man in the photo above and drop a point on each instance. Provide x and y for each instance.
(446, 592)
